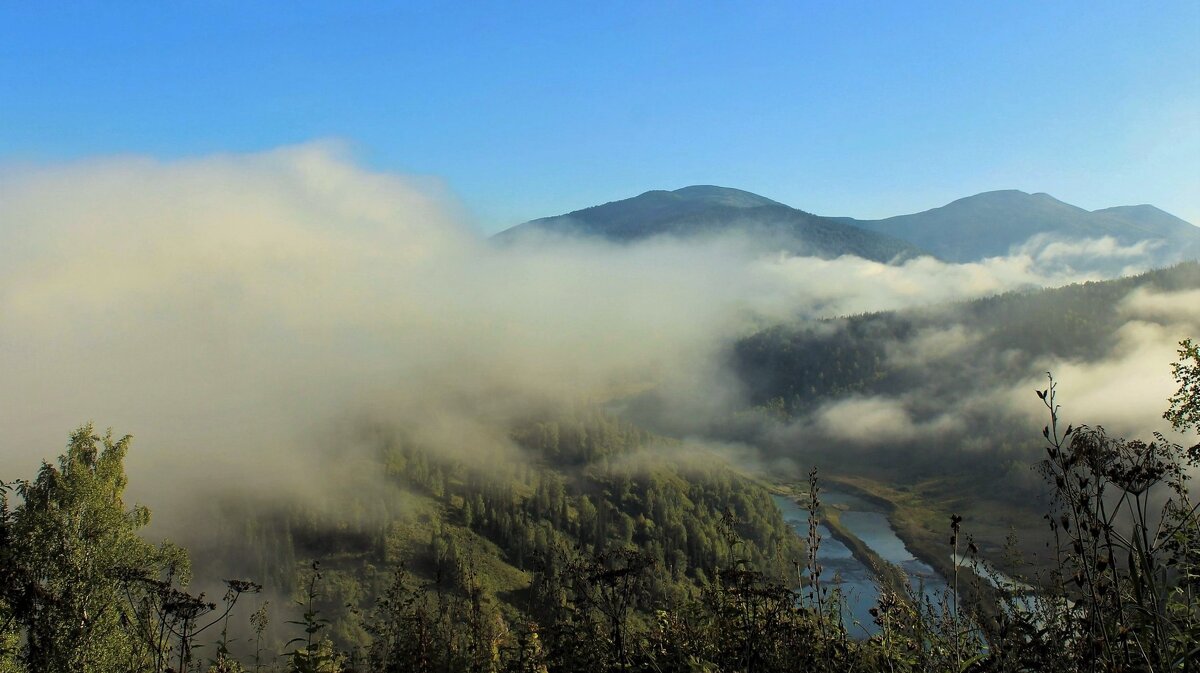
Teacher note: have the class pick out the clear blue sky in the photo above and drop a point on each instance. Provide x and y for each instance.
(529, 109)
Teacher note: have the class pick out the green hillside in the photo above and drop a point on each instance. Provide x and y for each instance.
(577, 487)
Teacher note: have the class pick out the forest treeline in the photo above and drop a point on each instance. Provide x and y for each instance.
(794, 367)
(608, 552)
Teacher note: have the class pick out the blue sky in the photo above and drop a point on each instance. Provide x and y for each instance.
(531, 109)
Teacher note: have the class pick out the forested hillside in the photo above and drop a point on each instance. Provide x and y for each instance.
(622, 573)
(581, 541)
(940, 379)
(802, 365)
(583, 485)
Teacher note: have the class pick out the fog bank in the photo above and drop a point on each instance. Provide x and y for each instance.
(234, 311)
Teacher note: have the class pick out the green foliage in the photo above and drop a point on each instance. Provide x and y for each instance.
(1184, 412)
(589, 483)
(68, 543)
(1129, 547)
(315, 653)
(82, 591)
(259, 621)
(319, 656)
(440, 627)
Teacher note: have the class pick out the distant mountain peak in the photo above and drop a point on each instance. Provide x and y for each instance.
(991, 224)
(1006, 197)
(1139, 209)
(726, 196)
(999, 193)
(1153, 218)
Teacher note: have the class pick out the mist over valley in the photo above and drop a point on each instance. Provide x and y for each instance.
(333, 359)
(618, 339)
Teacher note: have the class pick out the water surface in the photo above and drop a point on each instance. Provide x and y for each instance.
(868, 523)
(839, 566)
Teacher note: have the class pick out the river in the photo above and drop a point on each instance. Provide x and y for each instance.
(866, 522)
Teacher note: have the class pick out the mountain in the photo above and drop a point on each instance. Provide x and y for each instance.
(993, 223)
(990, 224)
(705, 210)
(1151, 218)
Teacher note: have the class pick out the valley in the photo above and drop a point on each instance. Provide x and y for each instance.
(618, 462)
(862, 549)
(636, 337)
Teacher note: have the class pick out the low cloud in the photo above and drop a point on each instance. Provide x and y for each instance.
(878, 421)
(1126, 391)
(1104, 255)
(931, 345)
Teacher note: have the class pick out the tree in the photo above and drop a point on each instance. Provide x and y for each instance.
(1184, 412)
(70, 541)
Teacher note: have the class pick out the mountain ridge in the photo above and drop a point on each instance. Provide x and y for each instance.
(988, 224)
(994, 223)
(709, 210)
